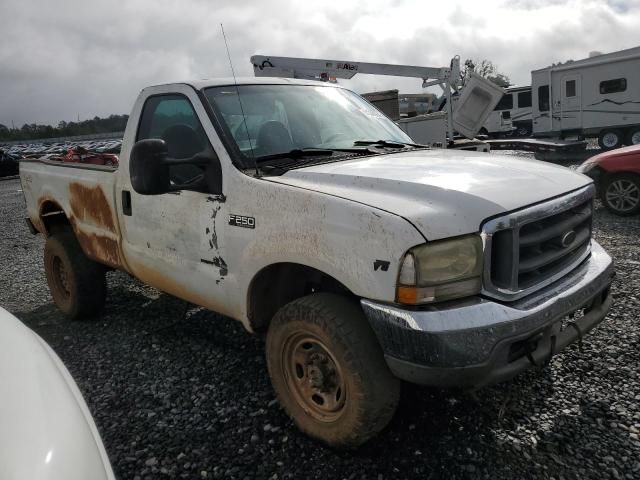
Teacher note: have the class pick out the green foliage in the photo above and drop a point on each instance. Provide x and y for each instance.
(500, 79)
(113, 123)
(487, 69)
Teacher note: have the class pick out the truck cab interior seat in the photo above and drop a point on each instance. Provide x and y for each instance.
(273, 137)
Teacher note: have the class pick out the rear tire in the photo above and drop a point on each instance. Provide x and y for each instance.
(328, 370)
(610, 139)
(633, 137)
(620, 193)
(77, 284)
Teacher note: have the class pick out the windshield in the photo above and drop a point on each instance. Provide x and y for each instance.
(281, 118)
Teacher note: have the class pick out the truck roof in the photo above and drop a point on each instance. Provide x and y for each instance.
(230, 81)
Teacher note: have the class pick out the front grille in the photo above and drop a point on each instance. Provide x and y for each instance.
(529, 249)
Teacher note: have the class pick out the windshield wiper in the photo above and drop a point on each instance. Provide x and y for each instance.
(386, 143)
(297, 153)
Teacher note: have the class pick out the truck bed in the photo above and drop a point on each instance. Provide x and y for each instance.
(86, 195)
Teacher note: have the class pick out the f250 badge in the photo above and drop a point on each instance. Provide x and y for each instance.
(242, 221)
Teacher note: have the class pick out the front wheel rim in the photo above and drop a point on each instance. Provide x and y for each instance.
(623, 195)
(635, 138)
(314, 377)
(610, 139)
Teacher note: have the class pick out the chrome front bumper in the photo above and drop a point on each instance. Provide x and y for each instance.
(479, 341)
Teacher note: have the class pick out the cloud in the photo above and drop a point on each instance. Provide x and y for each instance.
(60, 60)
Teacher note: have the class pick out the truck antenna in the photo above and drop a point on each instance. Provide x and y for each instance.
(244, 118)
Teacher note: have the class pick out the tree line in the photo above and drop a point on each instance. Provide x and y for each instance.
(112, 123)
(487, 69)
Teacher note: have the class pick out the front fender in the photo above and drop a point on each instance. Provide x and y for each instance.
(357, 245)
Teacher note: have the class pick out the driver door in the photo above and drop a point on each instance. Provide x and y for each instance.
(175, 241)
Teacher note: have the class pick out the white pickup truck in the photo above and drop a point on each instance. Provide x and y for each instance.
(298, 209)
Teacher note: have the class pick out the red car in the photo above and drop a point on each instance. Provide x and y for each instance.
(82, 155)
(616, 174)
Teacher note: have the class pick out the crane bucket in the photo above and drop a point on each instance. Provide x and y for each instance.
(477, 100)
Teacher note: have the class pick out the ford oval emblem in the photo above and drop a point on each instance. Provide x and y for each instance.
(568, 238)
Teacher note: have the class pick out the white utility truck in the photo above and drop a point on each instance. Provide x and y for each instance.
(468, 100)
(598, 97)
(298, 209)
(512, 114)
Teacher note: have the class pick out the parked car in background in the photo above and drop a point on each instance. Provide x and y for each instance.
(8, 164)
(617, 176)
(47, 431)
(82, 155)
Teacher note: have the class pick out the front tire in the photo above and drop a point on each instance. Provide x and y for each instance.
(77, 284)
(328, 370)
(621, 193)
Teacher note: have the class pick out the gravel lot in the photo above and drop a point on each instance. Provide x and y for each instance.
(179, 392)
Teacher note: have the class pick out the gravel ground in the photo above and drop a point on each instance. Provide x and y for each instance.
(179, 392)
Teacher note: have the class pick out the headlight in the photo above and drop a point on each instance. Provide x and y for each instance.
(441, 270)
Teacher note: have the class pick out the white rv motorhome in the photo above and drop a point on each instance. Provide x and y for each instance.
(598, 96)
(512, 114)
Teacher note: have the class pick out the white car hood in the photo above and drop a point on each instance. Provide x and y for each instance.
(442, 192)
(46, 430)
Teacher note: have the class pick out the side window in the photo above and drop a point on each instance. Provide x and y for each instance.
(570, 88)
(543, 98)
(524, 99)
(173, 119)
(505, 103)
(613, 86)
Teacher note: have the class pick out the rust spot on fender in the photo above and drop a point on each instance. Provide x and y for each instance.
(90, 205)
(100, 248)
(38, 223)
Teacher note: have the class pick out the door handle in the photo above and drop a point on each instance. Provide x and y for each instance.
(126, 202)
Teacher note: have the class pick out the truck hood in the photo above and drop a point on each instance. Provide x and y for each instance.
(442, 192)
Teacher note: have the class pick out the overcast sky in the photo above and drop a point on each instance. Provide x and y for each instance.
(68, 58)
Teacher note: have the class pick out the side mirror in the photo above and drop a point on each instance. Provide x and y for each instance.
(148, 167)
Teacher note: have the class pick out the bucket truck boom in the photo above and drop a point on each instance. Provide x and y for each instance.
(476, 96)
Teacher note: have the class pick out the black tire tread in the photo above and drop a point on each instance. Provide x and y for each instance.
(345, 323)
(89, 281)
